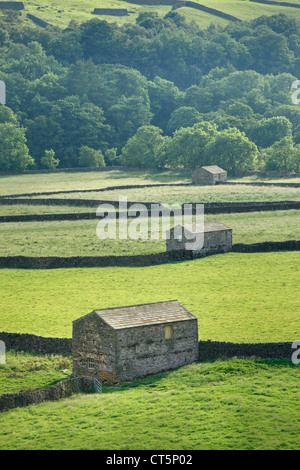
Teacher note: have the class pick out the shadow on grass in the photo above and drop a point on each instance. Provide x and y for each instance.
(230, 366)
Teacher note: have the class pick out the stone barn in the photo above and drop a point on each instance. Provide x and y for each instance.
(217, 237)
(208, 175)
(120, 344)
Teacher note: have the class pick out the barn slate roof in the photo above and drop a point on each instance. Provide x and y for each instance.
(214, 169)
(145, 314)
(211, 226)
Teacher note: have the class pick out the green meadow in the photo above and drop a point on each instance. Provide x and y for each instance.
(60, 14)
(72, 181)
(79, 238)
(224, 404)
(193, 193)
(236, 297)
(233, 404)
(23, 371)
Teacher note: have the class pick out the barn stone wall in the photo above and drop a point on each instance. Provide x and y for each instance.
(93, 338)
(11, 6)
(202, 177)
(144, 350)
(214, 242)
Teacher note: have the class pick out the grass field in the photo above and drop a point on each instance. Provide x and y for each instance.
(63, 181)
(234, 404)
(78, 238)
(224, 404)
(186, 194)
(27, 371)
(236, 297)
(81, 10)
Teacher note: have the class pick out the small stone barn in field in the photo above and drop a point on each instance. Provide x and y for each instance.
(217, 237)
(120, 344)
(208, 175)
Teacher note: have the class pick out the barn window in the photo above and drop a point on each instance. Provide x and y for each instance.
(169, 332)
(91, 363)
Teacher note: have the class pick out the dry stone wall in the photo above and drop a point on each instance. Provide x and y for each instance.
(62, 389)
(36, 344)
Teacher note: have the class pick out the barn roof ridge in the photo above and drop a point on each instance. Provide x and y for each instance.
(129, 316)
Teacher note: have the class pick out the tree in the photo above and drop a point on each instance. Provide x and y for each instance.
(7, 115)
(267, 131)
(48, 161)
(231, 150)
(89, 157)
(187, 146)
(146, 149)
(282, 156)
(185, 116)
(14, 154)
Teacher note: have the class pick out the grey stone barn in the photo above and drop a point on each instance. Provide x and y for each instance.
(217, 237)
(208, 175)
(121, 344)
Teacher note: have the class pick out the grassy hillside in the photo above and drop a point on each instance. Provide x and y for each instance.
(236, 297)
(78, 238)
(28, 371)
(234, 404)
(60, 14)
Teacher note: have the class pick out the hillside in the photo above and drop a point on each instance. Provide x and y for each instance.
(80, 11)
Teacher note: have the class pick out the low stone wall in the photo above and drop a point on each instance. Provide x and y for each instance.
(209, 10)
(97, 190)
(111, 11)
(38, 21)
(218, 350)
(259, 183)
(281, 4)
(36, 344)
(51, 262)
(209, 207)
(264, 247)
(11, 6)
(62, 389)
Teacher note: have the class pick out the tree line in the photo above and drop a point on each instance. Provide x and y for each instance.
(160, 93)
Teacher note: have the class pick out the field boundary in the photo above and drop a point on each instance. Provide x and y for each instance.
(211, 11)
(281, 4)
(153, 259)
(209, 208)
(141, 186)
(36, 344)
(208, 350)
(62, 389)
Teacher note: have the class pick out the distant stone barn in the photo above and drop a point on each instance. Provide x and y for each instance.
(121, 344)
(216, 237)
(208, 175)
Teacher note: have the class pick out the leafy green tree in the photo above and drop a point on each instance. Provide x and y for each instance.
(49, 161)
(231, 150)
(186, 148)
(164, 96)
(146, 149)
(267, 131)
(185, 116)
(89, 157)
(282, 156)
(7, 115)
(14, 154)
